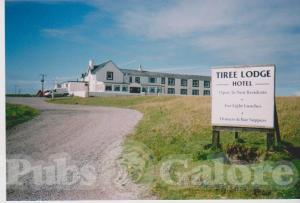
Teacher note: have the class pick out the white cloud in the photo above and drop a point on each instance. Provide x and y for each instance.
(179, 19)
(234, 30)
(184, 18)
(74, 34)
(55, 32)
(296, 93)
(127, 63)
(250, 46)
(243, 30)
(255, 30)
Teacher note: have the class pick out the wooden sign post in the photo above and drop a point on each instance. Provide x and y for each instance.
(243, 99)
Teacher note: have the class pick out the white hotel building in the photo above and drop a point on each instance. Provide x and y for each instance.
(108, 78)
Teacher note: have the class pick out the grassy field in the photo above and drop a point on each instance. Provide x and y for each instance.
(16, 114)
(181, 126)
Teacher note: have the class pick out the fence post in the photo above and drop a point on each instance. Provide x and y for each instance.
(236, 136)
(216, 138)
(270, 140)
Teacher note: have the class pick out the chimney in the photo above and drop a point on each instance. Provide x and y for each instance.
(91, 64)
(140, 68)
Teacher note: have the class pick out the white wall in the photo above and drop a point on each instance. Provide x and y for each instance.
(81, 94)
(79, 89)
(101, 73)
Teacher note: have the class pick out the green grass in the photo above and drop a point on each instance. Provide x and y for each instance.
(181, 125)
(115, 101)
(16, 114)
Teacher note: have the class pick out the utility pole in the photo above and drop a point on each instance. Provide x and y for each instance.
(43, 81)
(52, 93)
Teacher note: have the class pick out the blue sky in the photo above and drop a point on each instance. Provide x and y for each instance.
(59, 37)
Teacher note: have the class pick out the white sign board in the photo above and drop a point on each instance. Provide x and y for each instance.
(243, 96)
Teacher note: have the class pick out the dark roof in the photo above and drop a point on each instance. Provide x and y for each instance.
(97, 67)
(160, 74)
(152, 74)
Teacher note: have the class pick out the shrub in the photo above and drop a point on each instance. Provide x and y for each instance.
(242, 153)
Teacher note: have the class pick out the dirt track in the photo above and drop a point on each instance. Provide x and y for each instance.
(88, 136)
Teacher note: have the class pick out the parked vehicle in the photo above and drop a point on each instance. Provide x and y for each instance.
(57, 93)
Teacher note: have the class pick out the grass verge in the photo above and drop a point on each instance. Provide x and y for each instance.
(181, 125)
(16, 114)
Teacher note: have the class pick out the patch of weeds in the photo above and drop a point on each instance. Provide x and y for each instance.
(209, 152)
(17, 114)
(239, 140)
(243, 153)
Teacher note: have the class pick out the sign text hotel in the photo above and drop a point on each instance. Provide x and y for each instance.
(243, 96)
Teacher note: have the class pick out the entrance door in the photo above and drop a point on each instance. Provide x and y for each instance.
(135, 90)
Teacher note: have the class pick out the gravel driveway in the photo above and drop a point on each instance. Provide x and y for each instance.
(86, 139)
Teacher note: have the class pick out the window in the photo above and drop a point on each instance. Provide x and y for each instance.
(207, 84)
(152, 80)
(195, 83)
(117, 88)
(137, 79)
(159, 90)
(125, 89)
(144, 89)
(130, 79)
(135, 90)
(152, 89)
(206, 92)
(171, 81)
(183, 82)
(171, 90)
(108, 88)
(109, 75)
(195, 92)
(163, 80)
(183, 91)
